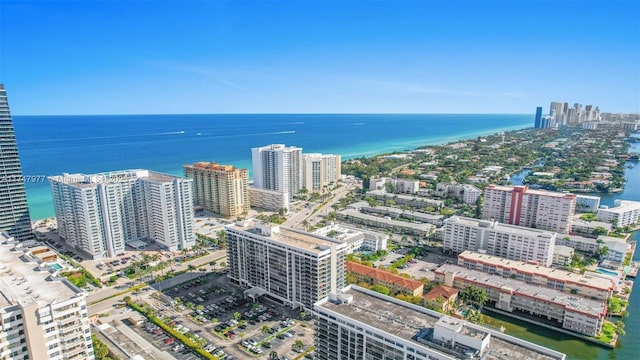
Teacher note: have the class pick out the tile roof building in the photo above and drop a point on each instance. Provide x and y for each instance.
(395, 283)
(440, 298)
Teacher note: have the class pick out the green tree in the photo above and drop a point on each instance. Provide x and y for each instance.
(273, 355)
(475, 295)
(599, 230)
(297, 345)
(381, 289)
(264, 329)
(237, 316)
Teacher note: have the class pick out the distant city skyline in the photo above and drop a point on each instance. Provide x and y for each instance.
(152, 57)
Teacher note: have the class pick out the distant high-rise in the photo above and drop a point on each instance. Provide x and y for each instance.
(277, 168)
(557, 112)
(102, 213)
(538, 121)
(221, 189)
(14, 213)
(319, 170)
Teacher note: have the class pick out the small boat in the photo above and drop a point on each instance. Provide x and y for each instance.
(630, 166)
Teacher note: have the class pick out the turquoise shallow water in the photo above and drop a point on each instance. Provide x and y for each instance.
(51, 145)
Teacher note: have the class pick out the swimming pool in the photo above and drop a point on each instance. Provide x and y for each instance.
(55, 266)
(607, 272)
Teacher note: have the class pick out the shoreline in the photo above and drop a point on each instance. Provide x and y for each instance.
(410, 145)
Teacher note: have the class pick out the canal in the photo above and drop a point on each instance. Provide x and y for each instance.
(628, 346)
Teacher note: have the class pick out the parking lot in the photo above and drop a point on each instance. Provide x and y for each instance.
(215, 310)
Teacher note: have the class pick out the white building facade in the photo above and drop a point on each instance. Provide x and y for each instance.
(319, 170)
(624, 213)
(587, 203)
(42, 316)
(277, 167)
(98, 214)
(507, 241)
(292, 266)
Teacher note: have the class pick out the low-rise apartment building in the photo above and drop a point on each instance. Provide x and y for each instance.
(469, 194)
(562, 255)
(395, 226)
(587, 228)
(396, 213)
(588, 285)
(291, 266)
(624, 213)
(395, 186)
(356, 239)
(395, 283)
(414, 201)
(587, 203)
(571, 312)
(507, 241)
(272, 200)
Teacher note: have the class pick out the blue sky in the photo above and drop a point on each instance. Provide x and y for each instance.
(137, 57)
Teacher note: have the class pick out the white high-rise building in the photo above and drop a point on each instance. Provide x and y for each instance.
(99, 214)
(557, 110)
(519, 205)
(319, 170)
(278, 168)
(292, 266)
(357, 323)
(42, 316)
(506, 241)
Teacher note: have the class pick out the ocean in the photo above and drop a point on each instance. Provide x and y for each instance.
(52, 145)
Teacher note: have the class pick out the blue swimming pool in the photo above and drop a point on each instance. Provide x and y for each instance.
(606, 272)
(55, 266)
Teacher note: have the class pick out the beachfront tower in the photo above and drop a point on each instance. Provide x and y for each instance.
(277, 167)
(14, 213)
(220, 189)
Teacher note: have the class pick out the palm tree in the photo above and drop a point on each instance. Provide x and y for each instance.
(273, 355)
(297, 345)
(305, 224)
(264, 329)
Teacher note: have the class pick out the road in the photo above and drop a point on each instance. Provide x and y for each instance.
(323, 209)
(197, 263)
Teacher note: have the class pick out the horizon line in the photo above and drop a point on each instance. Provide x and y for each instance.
(287, 113)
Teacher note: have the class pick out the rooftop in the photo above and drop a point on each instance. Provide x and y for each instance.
(504, 228)
(391, 222)
(288, 237)
(569, 301)
(529, 191)
(440, 290)
(22, 280)
(212, 166)
(551, 273)
(92, 180)
(405, 321)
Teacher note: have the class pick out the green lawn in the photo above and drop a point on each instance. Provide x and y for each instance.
(608, 331)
